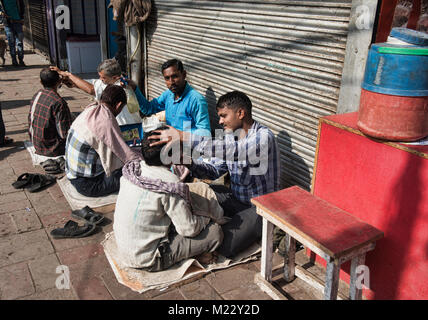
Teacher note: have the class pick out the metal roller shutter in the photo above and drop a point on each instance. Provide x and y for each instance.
(39, 25)
(287, 56)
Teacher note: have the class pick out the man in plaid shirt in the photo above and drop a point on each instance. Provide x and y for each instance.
(249, 152)
(50, 118)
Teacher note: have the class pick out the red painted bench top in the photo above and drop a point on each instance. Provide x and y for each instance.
(331, 229)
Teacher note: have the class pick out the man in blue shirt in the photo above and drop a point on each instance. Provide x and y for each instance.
(185, 108)
(12, 12)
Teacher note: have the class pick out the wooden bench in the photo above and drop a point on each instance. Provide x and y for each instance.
(326, 230)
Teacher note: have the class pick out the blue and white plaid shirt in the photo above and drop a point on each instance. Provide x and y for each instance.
(252, 161)
(82, 159)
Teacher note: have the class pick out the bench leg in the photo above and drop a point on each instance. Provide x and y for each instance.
(267, 250)
(332, 280)
(355, 290)
(289, 259)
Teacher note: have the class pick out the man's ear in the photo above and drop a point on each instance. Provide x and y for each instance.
(241, 113)
(184, 74)
(119, 107)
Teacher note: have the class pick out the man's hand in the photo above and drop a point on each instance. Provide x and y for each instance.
(60, 72)
(132, 84)
(164, 136)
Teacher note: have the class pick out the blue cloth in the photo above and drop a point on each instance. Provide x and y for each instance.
(15, 37)
(252, 161)
(188, 113)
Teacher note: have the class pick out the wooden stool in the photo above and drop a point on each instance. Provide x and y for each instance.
(328, 231)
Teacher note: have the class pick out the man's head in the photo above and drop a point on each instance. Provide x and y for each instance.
(49, 78)
(151, 155)
(175, 76)
(233, 109)
(114, 97)
(109, 71)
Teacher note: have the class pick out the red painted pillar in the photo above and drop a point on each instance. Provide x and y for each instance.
(414, 15)
(386, 16)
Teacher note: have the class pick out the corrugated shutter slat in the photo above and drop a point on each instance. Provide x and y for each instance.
(286, 55)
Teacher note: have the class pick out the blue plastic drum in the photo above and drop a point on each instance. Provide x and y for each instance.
(394, 69)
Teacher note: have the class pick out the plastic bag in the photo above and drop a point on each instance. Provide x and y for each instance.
(152, 123)
(132, 102)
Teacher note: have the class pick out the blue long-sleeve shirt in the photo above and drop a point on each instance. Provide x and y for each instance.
(188, 113)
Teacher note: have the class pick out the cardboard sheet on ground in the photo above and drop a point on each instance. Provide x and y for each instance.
(141, 281)
(78, 201)
(36, 158)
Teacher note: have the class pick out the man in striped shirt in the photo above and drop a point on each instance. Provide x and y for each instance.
(95, 149)
(249, 152)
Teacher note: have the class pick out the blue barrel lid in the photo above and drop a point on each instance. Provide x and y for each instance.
(410, 36)
(400, 70)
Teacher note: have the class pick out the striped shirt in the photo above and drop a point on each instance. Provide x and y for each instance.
(253, 161)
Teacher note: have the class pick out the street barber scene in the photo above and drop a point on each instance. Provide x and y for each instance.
(213, 150)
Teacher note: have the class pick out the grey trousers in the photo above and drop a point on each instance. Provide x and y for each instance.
(179, 248)
(243, 229)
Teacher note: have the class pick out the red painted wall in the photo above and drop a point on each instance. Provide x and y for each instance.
(387, 188)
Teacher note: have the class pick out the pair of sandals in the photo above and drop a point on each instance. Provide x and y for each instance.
(72, 229)
(52, 166)
(33, 182)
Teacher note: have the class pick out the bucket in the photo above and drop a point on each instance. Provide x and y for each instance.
(394, 118)
(394, 95)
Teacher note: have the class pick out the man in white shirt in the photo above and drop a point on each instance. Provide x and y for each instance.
(110, 73)
(155, 222)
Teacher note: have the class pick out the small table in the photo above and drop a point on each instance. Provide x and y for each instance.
(328, 231)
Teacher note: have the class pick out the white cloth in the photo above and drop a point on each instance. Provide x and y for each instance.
(124, 117)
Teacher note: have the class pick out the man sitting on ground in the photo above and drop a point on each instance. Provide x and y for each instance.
(154, 225)
(110, 73)
(95, 149)
(249, 153)
(49, 119)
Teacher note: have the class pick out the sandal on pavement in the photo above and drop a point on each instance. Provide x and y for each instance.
(50, 166)
(6, 141)
(88, 215)
(40, 181)
(72, 230)
(61, 163)
(23, 180)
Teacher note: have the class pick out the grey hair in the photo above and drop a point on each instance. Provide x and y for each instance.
(110, 67)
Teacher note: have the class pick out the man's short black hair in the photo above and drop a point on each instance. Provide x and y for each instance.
(113, 94)
(49, 77)
(173, 63)
(235, 100)
(151, 155)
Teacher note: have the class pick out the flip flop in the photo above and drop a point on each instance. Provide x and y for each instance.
(88, 215)
(6, 141)
(72, 230)
(51, 166)
(40, 181)
(61, 163)
(23, 180)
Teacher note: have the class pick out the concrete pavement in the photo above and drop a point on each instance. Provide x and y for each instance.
(29, 256)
